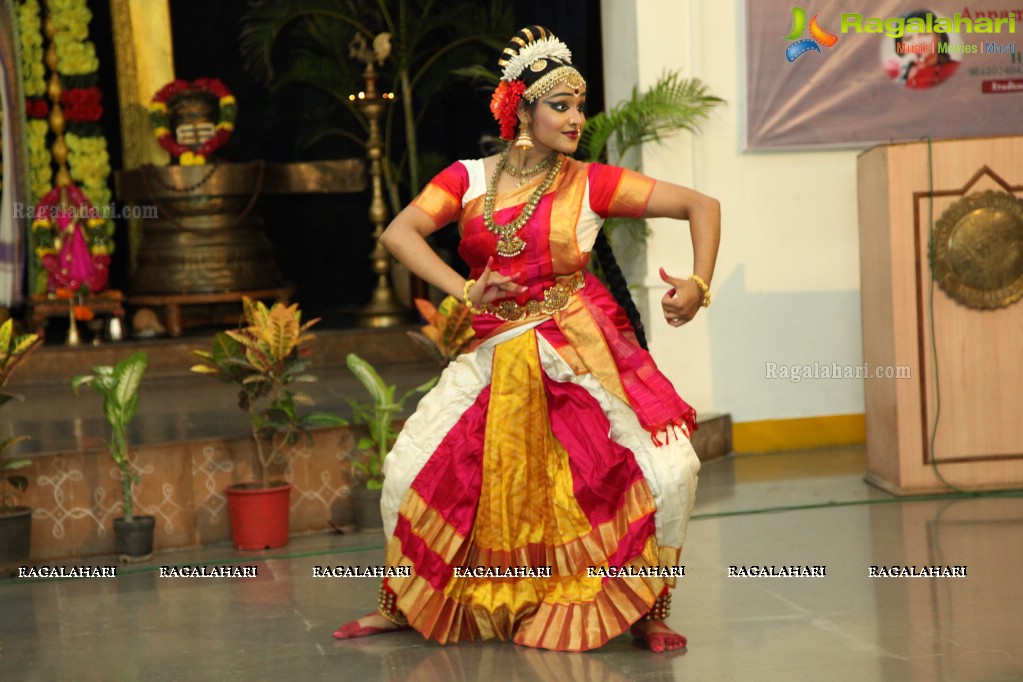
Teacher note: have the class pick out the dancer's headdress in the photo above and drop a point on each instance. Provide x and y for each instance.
(532, 64)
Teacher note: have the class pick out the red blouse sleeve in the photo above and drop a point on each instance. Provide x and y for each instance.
(441, 199)
(618, 192)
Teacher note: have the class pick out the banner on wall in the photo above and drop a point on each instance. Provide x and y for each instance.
(851, 73)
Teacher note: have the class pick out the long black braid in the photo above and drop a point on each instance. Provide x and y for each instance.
(617, 284)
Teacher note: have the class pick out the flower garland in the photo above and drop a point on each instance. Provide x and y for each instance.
(159, 118)
(78, 67)
(88, 159)
(36, 106)
(30, 28)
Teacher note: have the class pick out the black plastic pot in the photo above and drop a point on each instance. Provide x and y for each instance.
(134, 539)
(15, 538)
(367, 509)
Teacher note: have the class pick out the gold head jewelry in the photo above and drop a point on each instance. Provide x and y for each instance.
(563, 74)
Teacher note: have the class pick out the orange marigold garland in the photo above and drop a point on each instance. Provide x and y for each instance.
(504, 105)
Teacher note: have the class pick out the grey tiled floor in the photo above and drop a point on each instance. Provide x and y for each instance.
(844, 626)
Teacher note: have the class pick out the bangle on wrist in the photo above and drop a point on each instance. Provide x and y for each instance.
(468, 299)
(704, 289)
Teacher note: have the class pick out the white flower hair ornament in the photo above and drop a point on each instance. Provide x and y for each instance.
(542, 48)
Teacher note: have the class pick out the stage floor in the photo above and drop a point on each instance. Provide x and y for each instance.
(843, 626)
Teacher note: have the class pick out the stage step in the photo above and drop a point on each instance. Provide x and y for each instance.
(57, 364)
(713, 438)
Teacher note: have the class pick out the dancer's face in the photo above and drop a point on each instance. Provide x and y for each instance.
(558, 119)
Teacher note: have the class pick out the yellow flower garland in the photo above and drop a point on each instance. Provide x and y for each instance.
(31, 36)
(88, 157)
(34, 72)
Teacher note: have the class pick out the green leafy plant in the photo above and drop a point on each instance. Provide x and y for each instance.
(13, 351)
(671, 105)
(16, 482)
(119, 386)
(379, 418)
(448, 330)
(310, 41)
(262, 361)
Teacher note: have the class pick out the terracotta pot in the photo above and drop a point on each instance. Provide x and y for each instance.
(259, 516)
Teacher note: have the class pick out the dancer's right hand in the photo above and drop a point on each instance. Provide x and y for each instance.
(492, 285)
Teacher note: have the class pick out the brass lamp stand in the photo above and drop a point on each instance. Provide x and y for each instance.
(383, 309)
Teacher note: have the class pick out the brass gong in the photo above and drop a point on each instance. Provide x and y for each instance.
(978, 250)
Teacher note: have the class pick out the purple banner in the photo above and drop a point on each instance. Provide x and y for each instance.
(854, 73)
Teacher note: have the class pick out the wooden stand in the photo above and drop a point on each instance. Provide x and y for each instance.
(973, 393)
(175, 306)
(108, 303)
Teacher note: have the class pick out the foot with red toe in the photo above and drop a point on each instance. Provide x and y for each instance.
(657, 636)
(371, 624)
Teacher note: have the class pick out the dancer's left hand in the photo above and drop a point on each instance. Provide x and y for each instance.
(682, 301)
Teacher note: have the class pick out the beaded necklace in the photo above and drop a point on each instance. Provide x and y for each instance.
(523, 173)
(510, 244)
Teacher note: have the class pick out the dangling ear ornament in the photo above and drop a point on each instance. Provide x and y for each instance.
(524, 141)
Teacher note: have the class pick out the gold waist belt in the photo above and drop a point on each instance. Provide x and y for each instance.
(555, 299)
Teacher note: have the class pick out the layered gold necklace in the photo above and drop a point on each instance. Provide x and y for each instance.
(508, 243)
(522, 174)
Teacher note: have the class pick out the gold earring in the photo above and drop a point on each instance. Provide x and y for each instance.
(524, 141)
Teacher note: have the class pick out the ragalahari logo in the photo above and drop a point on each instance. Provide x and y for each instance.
(817, 35)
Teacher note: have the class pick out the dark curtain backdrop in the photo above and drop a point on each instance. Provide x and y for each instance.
(322, 242)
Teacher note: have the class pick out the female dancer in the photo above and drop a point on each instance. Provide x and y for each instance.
(540, 493)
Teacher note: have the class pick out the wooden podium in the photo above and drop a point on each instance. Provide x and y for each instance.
(963, 376)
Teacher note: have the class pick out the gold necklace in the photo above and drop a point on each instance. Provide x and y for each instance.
(510, 244)
(523, 173)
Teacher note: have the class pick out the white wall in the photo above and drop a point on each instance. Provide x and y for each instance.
(786, 287)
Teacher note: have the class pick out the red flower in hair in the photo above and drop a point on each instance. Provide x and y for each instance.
(504, 105)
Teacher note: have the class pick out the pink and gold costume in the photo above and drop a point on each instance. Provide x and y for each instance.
(555, 443)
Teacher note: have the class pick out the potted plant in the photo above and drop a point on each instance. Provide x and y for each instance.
(119, 387)
(262, 361)
(379, 418)
(15, 520)
(448, 330)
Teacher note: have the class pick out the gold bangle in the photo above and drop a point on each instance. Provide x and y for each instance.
(704, 289)
(465, 295)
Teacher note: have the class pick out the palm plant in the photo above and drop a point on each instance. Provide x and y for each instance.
(429, 40)
(671, 105)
